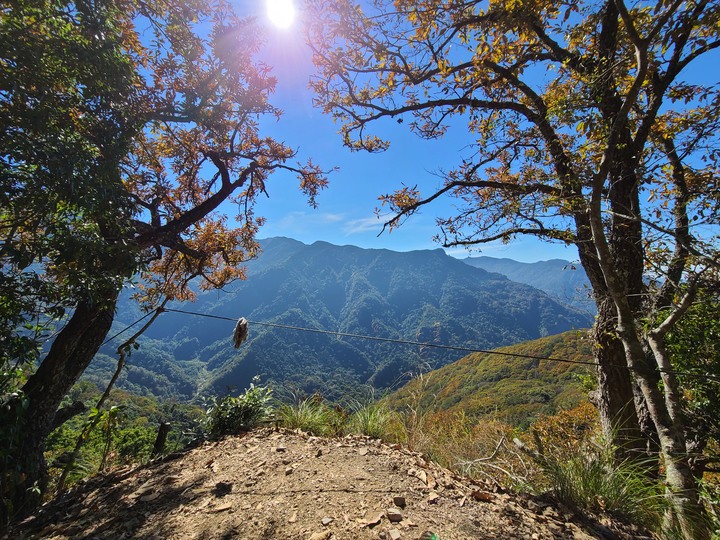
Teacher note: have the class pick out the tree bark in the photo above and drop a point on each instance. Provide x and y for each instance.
(682, 490)
(616, 403)
(615, 397)
(71, 352)
(160, 440)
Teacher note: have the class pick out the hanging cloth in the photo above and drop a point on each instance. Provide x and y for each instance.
(240, 334)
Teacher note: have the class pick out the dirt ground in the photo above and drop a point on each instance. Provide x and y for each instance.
(277, 484)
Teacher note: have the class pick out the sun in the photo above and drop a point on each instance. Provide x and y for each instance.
(281, 12)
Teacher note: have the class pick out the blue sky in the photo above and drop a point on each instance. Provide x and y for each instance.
(346, 211)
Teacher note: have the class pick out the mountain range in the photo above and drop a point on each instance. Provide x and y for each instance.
(298, 297)
(559, 278)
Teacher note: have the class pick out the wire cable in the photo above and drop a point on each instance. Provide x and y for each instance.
(121, 332)
(439, 346)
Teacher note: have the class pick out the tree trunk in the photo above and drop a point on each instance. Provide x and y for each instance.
(160, 440)
(616, 402)
(71, 352)
(615, 397)
(688, 514)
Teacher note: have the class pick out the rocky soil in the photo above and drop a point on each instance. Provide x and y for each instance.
(276, 484)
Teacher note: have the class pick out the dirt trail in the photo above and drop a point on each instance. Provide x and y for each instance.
(272, 484)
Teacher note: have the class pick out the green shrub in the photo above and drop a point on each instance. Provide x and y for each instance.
(229, 414)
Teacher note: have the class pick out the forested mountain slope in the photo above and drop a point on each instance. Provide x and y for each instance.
(421, 296)
(513, 389)
(562, 279)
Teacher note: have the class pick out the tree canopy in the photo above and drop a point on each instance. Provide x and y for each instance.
(67, 119)
(589, 123)
(125, 126)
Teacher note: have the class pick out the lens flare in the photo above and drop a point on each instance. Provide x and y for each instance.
(281, 12)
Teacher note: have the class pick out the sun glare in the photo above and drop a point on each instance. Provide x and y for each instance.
(281, 12)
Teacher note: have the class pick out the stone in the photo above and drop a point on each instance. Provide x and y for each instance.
(399, 501)
(433, 497)
(222, 508)
(280, 448)
(326, 521)
(324, 535)
(430, 482)
(394, 534)
(372, 522)
(394, 515)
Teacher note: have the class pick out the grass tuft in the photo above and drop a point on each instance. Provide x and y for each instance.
(372, 419)
(311, 415)
(592, 480)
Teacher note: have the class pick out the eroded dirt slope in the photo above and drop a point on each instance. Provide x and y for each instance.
(285, 485)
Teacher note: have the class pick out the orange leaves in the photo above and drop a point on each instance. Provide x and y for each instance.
(402, 199)
(203, 97)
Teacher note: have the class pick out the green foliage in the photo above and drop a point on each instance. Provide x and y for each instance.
(417, 296)
(514, 390)
(228, 415)
(13, 407)
(123, 128)
(373, 419)
(592, 479)
(135, 442)
(312, 415)
(67, 119)
(130, 426)
(581, 469)
(556, 277)
(694, 346)
(710, 493)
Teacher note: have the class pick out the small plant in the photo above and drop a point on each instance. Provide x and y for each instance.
(594, 480)
(229, 414)
(372, 419)
(312, 415)
(412, 427)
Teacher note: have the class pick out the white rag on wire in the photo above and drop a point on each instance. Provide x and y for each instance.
(240, 334)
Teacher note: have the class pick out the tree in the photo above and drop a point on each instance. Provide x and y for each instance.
(125, 127)
(694, 349)
(586, 128)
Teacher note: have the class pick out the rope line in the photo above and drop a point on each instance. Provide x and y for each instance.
(121, 332)
(388, 340)
(438, 346)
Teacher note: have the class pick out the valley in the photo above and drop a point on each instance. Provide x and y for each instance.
(293, 288)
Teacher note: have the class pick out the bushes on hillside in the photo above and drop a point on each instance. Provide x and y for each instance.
(228, 415)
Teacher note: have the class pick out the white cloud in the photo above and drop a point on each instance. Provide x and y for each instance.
(459, 252)
(304, 220)
(363, 225)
